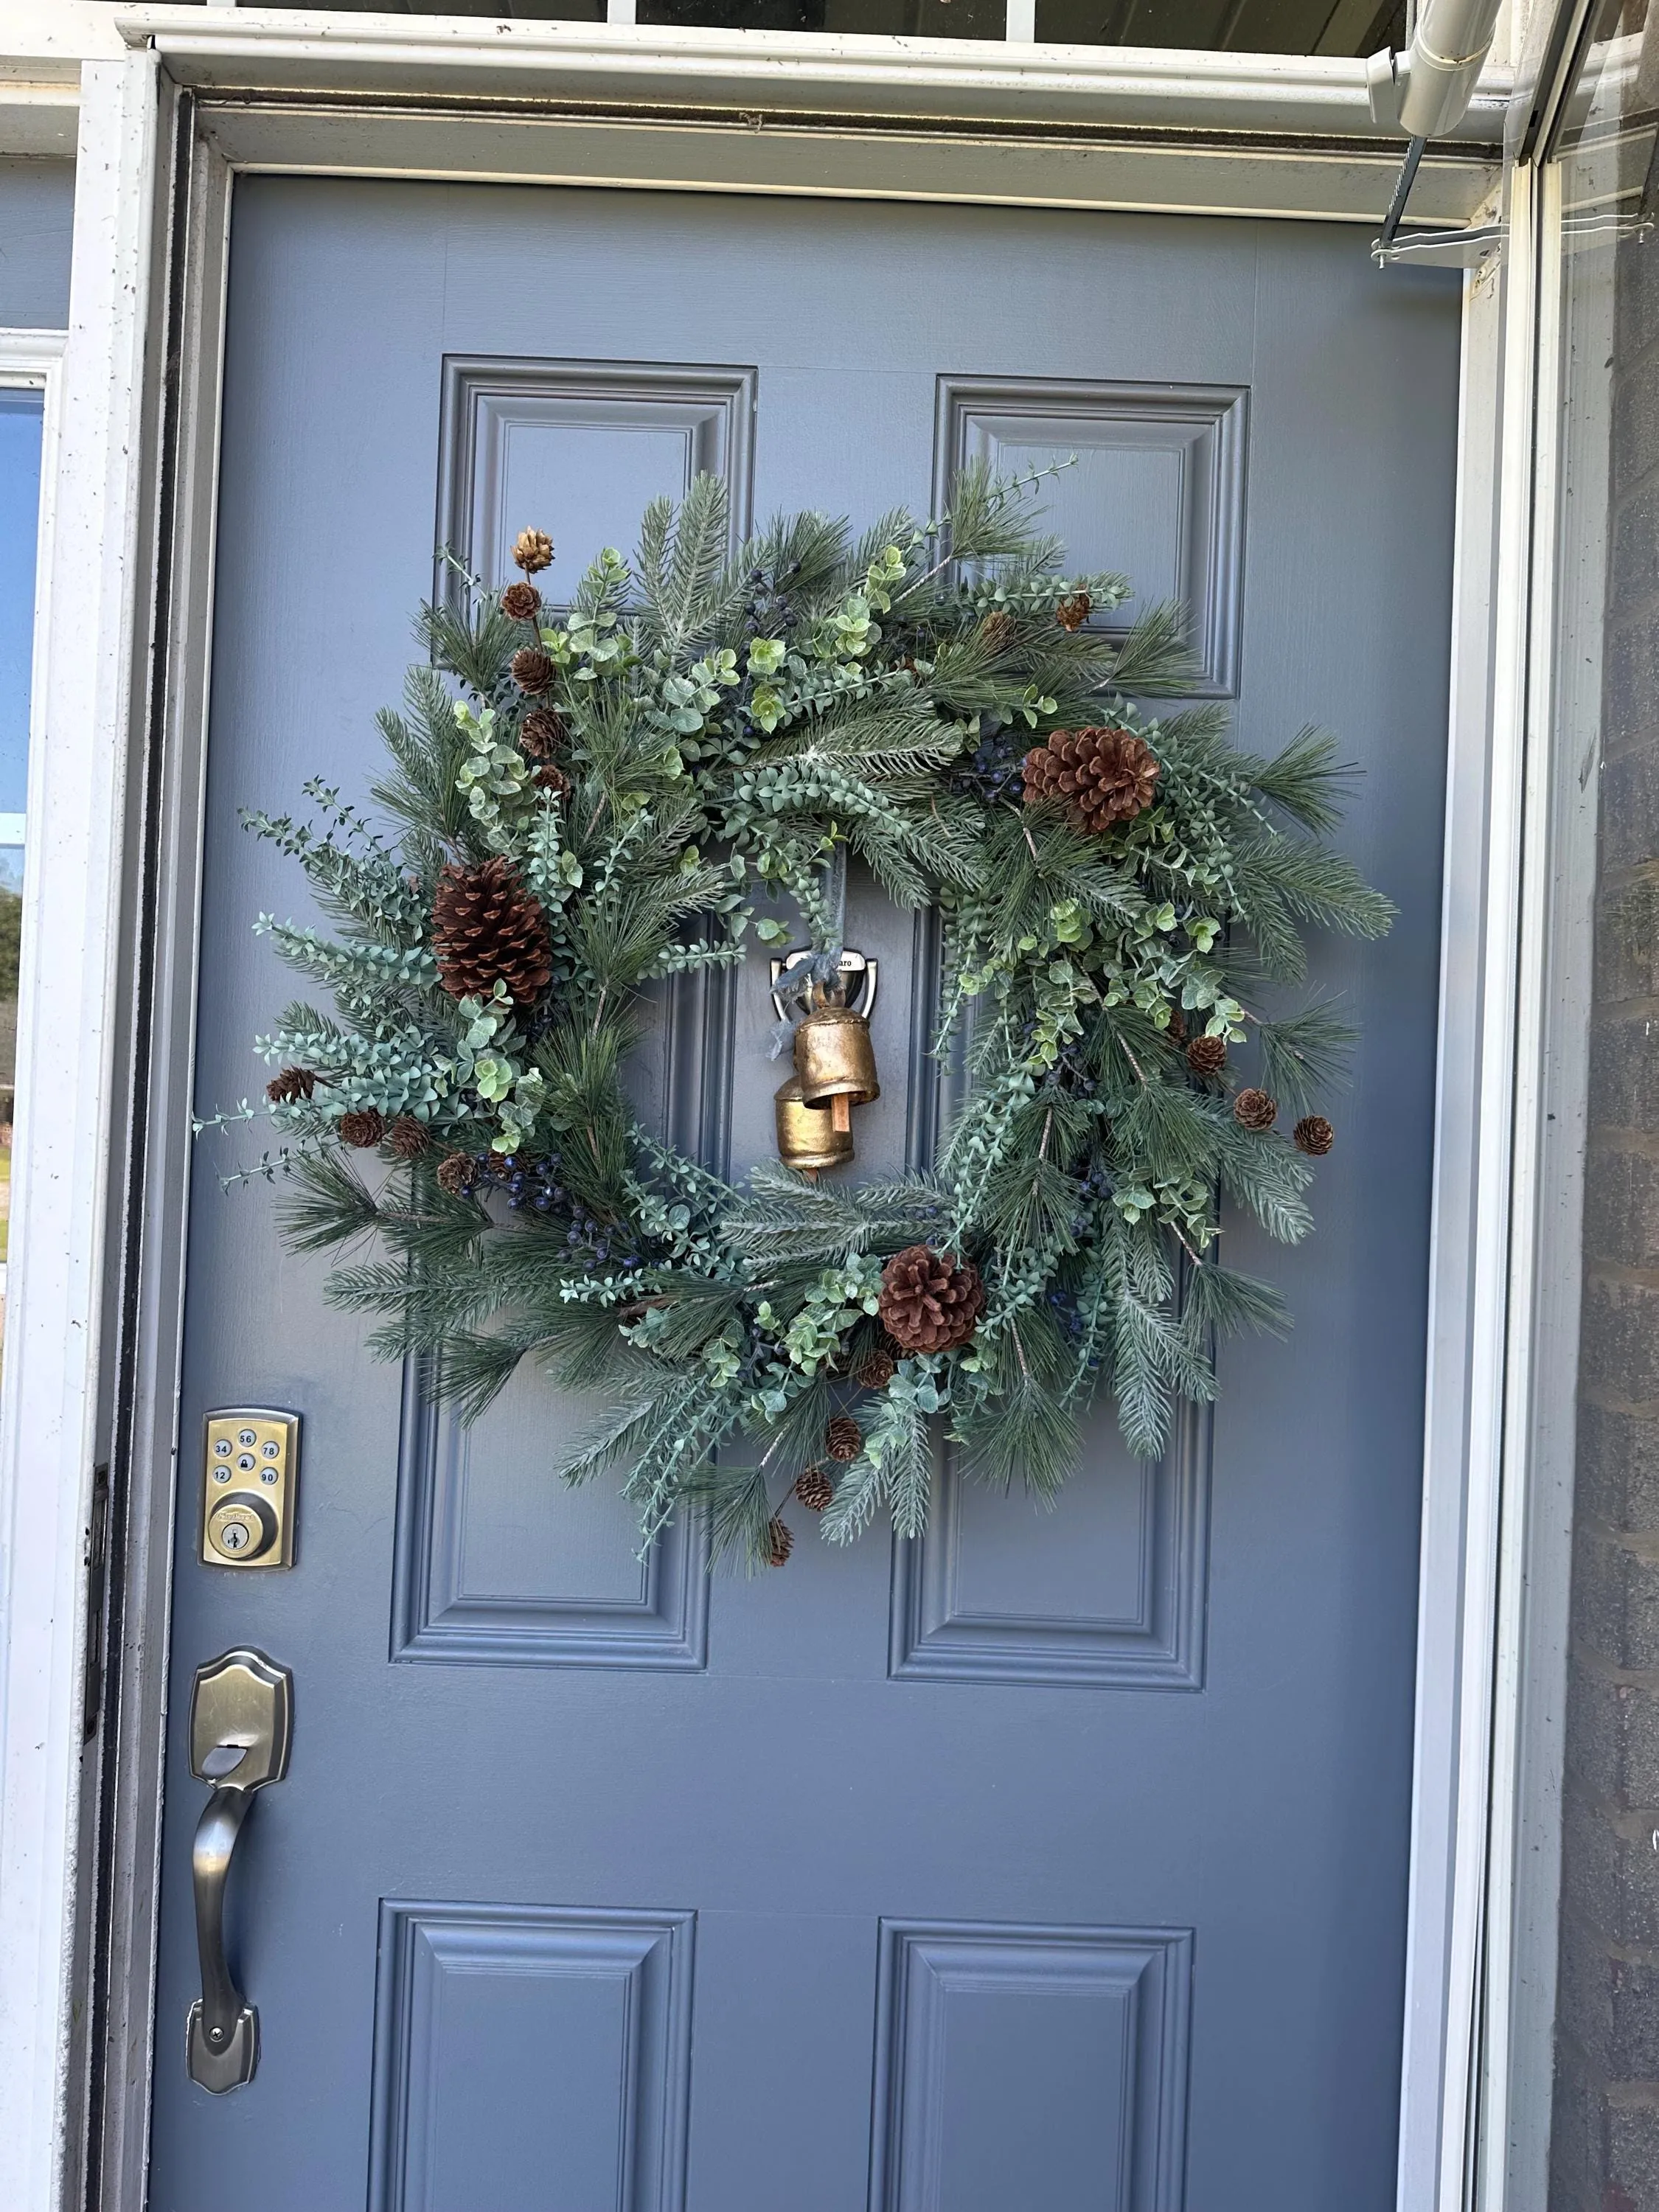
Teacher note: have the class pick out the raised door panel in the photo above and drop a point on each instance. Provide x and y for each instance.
(1021, 2066)
(1151, 487)
(530, 2059)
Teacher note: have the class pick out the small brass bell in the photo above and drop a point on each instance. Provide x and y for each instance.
(807, 1135)
(836, 1062)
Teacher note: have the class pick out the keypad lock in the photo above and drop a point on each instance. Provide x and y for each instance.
(250, 1470)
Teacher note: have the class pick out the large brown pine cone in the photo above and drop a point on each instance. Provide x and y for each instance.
(814, 1489)
(930, 1303)
(533, 552)
(522, 601)
(779, 1541)
(1074, 611)
(290, 1086)
(487, 928)
(1101, 775)
(364, 1128)
(532, 670)
(407, 1138)
(1255, 1109)
(542, 733)
(1314, 1135)
(1207, 1055)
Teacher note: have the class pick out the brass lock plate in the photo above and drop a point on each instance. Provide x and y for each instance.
(249, 1471)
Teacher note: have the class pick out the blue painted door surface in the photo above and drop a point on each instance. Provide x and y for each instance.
(1059, 1860)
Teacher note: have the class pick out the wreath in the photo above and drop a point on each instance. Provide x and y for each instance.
(677, 765)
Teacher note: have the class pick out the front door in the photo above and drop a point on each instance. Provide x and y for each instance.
(1057, 1861)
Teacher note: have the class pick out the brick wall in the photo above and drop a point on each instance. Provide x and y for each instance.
(1605, 2142)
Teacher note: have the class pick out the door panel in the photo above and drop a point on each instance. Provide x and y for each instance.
(1059, 1859)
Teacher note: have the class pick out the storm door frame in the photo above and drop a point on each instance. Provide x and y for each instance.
(204, 93)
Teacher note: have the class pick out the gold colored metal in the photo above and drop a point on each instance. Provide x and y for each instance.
(807, 1135)
(249, 1471)
(835, 1058)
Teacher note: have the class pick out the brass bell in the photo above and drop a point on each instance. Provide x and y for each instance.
(835, 1061)
(807, 1135)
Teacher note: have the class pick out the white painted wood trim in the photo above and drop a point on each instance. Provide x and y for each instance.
(49, 1394)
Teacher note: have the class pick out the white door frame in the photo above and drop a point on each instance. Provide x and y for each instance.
(92, 1373)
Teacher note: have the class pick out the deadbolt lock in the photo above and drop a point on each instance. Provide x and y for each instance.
(251, 1465)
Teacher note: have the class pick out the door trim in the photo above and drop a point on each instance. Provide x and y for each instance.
(136, 517)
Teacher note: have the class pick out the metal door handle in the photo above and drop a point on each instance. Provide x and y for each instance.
(241, 1720)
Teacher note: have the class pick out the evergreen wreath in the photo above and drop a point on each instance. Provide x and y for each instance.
(630, 789)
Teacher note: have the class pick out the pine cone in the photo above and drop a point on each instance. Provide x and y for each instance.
(522, 601)
(542, 733)
(814, 1489)
(551, 778)
(486, 929)
(533, 552)
(999, 631)
(289, 1088)
(1207, 1055)
(532, 670)
(1253, 1109)
(779, 1541)
(364, 1129)
(1314, 1135)
(1102, 777)
(1177, 1028)
(876, 1372)
(455, 1174)
(929, 1302)
(407, 1137)
(844, 1439)
(1074, 611)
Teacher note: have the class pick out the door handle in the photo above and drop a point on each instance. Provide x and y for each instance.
(241, 1721)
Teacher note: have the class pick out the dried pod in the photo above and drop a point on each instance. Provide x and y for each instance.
(533, 552)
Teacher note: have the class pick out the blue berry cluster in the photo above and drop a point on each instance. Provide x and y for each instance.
(534, 1184)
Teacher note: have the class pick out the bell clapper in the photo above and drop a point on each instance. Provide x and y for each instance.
(840, 1113)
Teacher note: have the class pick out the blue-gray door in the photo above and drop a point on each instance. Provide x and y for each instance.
(1057, 1863)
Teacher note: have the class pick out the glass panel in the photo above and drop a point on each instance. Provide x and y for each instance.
(912, 19)
(21, 416)
(1242, 27)
(1606, 733)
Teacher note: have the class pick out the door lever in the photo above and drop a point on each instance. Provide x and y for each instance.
(241, 1721)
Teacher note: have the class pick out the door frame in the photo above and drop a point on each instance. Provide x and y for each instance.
(92, 1379)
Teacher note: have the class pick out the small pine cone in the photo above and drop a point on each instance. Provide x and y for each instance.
(1207, 1055)
(532, 672)
(1100, 776)
(779, 1541)
(1074, 611)
(542, 733)
(1314, 1135)
(551, 778)
(814, 1489)
(1177, 1029)
(455, 1175)
(522, 601)
(876, 1371)
(928, 1302)
(363, 1129)
(407, 1138)
(844, 1439)
(533, 552)
(999, 631)
(292, 1085)
(487, 928)
(1253, 1109)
